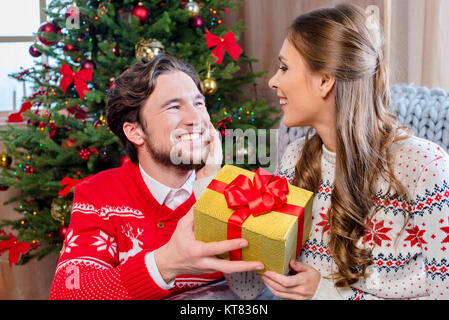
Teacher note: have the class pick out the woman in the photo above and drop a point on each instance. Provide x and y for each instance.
(381, 212)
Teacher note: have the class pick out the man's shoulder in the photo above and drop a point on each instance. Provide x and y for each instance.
(110, 179)
(109, 193)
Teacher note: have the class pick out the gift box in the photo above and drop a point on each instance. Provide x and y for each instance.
(272, 215)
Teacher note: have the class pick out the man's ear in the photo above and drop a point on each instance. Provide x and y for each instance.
(327, 83)
(134, 133)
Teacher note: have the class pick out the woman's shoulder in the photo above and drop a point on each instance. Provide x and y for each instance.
(419, 151)
(290, 158)
(420, 163)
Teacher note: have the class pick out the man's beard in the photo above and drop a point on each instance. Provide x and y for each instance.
(163, 157)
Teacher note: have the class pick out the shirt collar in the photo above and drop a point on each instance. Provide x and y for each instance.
(328, 155)
(160, 191)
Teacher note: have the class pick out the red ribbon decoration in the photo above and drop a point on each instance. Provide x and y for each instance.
(221, 44)
(264, 194)
(69, 184)
(17, 117)
(79, 78)
(15, 249)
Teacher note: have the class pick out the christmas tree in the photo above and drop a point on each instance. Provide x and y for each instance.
(87, 44)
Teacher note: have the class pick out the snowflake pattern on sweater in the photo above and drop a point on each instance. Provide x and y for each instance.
(408, 264)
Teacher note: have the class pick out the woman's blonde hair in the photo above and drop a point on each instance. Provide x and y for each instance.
(342, 43)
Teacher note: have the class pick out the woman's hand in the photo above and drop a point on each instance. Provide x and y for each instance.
(301, 286)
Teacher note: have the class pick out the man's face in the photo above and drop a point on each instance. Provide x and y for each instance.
(175, 121)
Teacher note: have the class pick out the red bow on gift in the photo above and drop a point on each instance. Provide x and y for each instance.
(264, 194)
(17, 117)
(79, 78)
(69, 183)
(15, 249)
(221, 44)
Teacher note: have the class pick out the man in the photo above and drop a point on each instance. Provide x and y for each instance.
(131, 230)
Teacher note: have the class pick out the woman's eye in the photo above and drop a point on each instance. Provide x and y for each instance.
(200, 103)
(283, 68)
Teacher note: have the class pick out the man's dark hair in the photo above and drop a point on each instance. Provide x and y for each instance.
(133, 87)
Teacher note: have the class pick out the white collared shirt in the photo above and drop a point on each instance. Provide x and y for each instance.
(172, 198)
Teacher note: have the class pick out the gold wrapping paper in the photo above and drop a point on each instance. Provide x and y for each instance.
(272, 237)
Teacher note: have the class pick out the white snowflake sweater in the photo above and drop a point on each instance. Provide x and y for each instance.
(412, 264)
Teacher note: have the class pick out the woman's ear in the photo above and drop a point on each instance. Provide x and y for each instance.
(134, 133)
(327, 84)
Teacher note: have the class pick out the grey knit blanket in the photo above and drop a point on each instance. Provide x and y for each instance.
(424, 110)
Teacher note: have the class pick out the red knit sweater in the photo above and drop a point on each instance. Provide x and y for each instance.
(115, 222)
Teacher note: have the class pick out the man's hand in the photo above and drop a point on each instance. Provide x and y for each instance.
(301, 286)
(214, 156)
(183, 254)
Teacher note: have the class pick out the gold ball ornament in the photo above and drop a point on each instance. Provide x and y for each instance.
(210, 85)
(148, 49)
(60, 209)
(193, 8)
(5, 160)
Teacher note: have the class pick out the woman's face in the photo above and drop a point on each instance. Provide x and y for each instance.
(297, 89)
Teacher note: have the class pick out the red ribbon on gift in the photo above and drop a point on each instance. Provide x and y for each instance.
(221, 44)
(69, 183)
(264, 194)
(79, 78)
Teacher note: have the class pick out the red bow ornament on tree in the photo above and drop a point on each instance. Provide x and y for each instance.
(69, 183)
(221, 44)
(15, 249)
(17, 117)
(79, 78)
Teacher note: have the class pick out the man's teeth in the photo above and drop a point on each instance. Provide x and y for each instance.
(192, 136)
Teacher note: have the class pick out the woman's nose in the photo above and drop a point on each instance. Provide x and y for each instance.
(273, 83)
